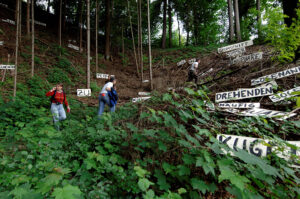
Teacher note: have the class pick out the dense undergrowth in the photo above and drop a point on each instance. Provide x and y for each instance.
(164, 148)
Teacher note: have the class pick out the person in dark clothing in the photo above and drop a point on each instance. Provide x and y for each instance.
(193, 71)
(104, 97)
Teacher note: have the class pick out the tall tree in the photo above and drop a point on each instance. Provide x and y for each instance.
(289, 9)
(32, 38)
(88, 44)
(170, 23)
(149, 44)
(258, 18)
(60, 18)
(20, 22)
(231, 26)
(133, 42)
(179, 36)
(17, 48)
(141, 40)
(107, 28)
(81, 26)
(164, 34)
(237, 20)
(28, 18)
(96, 45)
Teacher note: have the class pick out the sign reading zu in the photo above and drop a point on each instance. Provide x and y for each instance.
(84, 92)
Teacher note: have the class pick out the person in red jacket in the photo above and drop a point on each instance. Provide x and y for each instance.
(58, 97)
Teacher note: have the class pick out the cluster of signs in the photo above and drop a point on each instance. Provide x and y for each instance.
(7, 67)
(182, 62)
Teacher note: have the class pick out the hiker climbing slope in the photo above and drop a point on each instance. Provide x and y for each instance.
(193, 71)
(108, 96)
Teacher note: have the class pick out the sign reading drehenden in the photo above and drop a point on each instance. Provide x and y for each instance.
(257, 146)
(244, 94)
(279, 115)
(84, 92)
(278, 75)
(8, 67)
(239, 105)
(102, 76)
(248, 58)
(281, 96)
(235, 46)
(236, 53)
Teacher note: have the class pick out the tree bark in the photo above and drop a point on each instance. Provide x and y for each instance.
(141, 40)
(17, 49)
(237, 20)
(32, 38)
(20, 23)
(123, 46)
(97, 7)
(133, 42)
(170, 23)
(139, 44)
(81, 26)
(60, 18)
(149, 44)
(107, 29)
(88, 44)
(28, 18)
(231, 26)
(164, 35)
(179, 36)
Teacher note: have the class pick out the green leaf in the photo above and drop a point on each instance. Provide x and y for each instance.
(183, 170)
(149, 194)
(188, 159)
(161, 180)
(140, 171)
(67, 192)
(181, 191)
(144, 184)
(199, 185)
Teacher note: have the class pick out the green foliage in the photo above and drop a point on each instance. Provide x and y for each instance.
(58, 75)
(37, 61)
(286, 40)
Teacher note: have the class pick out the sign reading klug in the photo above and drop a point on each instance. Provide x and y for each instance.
(244, 94)
(235, 46)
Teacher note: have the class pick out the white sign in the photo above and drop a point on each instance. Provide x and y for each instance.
(9, 21)
(209, 71)
(73, 47)
(257, 146)
(235, 46)
(278, 75)
(146, 81)
(281, 96)
(40, 23)
(271, 83)
(1, 43)
(181, 62)
(10, 67)
(144, 93)
(138, 99)
(248, 58)
(3, 5)
(191, 61)
(239, 105)
(244, 93)
(102, 76)
(267, 113)
(84, 92)
(236, 53)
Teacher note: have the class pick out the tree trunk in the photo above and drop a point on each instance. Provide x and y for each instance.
(231, 26)
(60, 16)
(179, 36)
(289, 9)
(28, 18)
(237, 20)
(123, 46)
(107, 29)
(96, 46)
(133, 42)
(187, 37)
(139, 44)
(17, 49)
(20, 22)
(48, 6)
(32, 38)
(164, 35)
(141, 40)
(81, 26)
(258, 18)
(88, 44)
(170, 23)
(64, 15)
(149, 44)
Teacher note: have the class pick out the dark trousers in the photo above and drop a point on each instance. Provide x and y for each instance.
(192, 76)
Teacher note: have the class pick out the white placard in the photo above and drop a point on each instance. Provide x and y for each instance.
(248, 58)
(138, 99)
(257, 146)
(278, 75)
(244, 94)
(279, 115)
(236, 53)
(146, 81)
(281, 96)
(102, 76)
(235, 46)
(73, 47)
(207, 72)
(239, 105)
(181, 62)
(1, 43)
(191, 61)
(84, 92)
(144, 93)
(9, 21)
(7, 67)
(3, 5)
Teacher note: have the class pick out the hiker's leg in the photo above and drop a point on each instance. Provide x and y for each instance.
(62, 112)
(55, 114)
(113, 108)
(101, 106)
(196, 78)
(190, 77)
